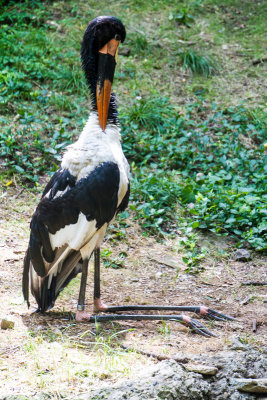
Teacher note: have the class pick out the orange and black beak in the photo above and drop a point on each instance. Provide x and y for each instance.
(107, 59)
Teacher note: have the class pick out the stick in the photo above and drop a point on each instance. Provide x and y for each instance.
(19, 193)
(254, 283)
(254, 325)
(259, 60)
(181, 360)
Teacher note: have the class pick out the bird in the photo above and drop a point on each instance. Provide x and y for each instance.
(86, 193)
(90, 187)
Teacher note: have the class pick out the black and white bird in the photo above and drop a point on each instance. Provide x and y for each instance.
(91, 186)
(86, 193)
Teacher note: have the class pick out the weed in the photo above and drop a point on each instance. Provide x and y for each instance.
(182, 17)
(164, 329)
(111, 262)
(197, 64)
(203, 163)
(138, 43)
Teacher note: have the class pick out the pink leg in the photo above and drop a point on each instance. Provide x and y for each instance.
(82, 316)
(99, 305)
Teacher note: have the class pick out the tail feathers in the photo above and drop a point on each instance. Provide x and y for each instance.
(46, 290)
(25, 277)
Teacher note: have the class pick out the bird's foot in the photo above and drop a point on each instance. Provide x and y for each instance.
(99, 306)
(212, 314)
(197, 326)
(82, 316)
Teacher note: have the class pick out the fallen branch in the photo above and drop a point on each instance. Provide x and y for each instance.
(18, 194)
(10, 350)
(180, 360)
(254, 325)
(254, 283)
(259, 60)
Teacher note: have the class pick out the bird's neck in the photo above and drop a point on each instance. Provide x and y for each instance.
(90, 70)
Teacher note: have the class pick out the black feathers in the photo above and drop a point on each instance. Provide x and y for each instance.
(96, 196)
(97, 34)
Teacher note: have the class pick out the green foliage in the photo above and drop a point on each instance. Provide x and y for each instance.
(26, 151)
(209, 160)
(138, 43)
(110, 261)
(36, 78)
(214, 166)
(182, 17)
(197, 64)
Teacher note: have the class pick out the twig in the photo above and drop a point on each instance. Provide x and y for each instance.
(181, 360)
(254, 325)
(18, 194)
(10, 350)
(208, 283)
(162, 261)
(37, 84)
(185, 42)
(247, 300)
(254, 283)
(259, 60)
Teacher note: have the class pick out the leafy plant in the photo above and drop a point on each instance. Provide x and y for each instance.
(201, 163)
(182, 17)
(111, 262)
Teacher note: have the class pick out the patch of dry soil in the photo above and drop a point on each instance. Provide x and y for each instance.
(153, 273)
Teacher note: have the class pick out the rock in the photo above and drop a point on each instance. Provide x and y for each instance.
(252, 385)
(238, 345)
(202, 369)
(242, 255)
(158, 275)
(168, 380)
(5, 324)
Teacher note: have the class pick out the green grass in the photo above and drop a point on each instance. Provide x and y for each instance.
(198, 64)
(187, 137)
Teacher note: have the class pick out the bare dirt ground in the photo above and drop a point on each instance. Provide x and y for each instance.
(51, 353)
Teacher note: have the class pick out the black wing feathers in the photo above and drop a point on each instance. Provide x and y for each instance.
(96, 196)
(124, 203)
(59, 182)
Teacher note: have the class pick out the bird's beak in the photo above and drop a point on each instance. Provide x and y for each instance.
(107, 59)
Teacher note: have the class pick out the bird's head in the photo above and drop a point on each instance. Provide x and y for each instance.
(99, 57)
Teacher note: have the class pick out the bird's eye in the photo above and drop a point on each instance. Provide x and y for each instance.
(117, 37)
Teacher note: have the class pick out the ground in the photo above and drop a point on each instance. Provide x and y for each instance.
(152, 272)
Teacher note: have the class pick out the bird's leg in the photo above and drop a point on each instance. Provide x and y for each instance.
(201, 310)
(81, 314)
(98, 304)
(190, 322)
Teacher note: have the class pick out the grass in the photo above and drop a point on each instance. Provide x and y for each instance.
(197, 64)
(189, 141)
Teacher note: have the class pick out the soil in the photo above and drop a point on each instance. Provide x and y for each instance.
(153, 273)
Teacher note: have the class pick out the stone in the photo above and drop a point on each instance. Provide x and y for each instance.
(242, 255)
(252, 385)
(202, 369)
(238, 345)
(5, 324)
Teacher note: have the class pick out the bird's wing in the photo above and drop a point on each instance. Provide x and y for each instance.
(64, 200)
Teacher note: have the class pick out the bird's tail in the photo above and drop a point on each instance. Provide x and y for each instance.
(46, 289)
(25, 277)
